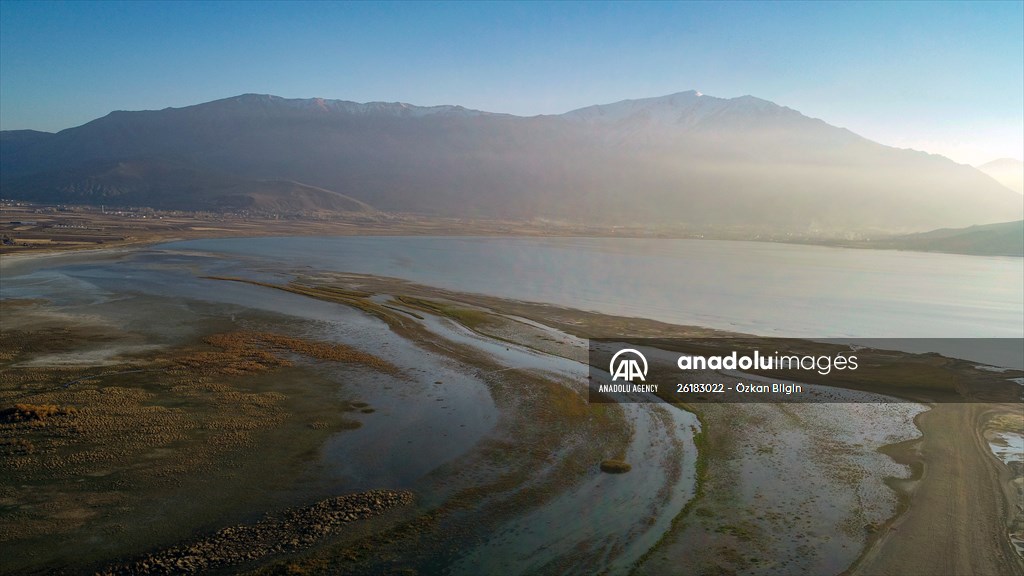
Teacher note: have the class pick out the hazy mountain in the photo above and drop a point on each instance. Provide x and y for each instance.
(687, 159)
(175, 186)
(1003, 239)
(1006, 171)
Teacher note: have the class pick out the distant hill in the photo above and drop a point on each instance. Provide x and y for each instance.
(1003, 239)
(1006, 171)
(683, 160)
(174, 186)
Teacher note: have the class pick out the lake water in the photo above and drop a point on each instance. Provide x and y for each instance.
(761, 288)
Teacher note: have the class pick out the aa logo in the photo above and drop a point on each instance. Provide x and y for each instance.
(626, 364)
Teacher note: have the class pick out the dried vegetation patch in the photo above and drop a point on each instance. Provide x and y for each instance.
(74, 438)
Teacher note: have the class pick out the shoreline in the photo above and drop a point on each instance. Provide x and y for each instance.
(134, 232)
(980, 543)
(887, 548)
(553, 316)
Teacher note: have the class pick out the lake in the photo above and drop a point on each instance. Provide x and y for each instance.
(762, 288)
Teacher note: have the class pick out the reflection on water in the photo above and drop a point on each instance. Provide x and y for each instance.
(1008, 446)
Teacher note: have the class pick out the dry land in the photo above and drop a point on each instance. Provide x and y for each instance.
(32, 228)
(146, 462)
(27, 228)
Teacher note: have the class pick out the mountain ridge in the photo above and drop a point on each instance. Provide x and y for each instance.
(685, 159)
(1007, 171)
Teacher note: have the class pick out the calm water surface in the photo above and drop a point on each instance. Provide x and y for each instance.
(762, 288)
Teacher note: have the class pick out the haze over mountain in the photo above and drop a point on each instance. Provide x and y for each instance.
(1001, 239)
(685, 159)
(1006, 171)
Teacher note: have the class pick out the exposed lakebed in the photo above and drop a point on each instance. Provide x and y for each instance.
(436, 426)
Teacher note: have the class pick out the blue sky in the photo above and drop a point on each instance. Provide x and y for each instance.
(943, 77)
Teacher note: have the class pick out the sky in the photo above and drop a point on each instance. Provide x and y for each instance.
(947, 78)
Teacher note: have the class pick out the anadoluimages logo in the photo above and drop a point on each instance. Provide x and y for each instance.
(625, 365)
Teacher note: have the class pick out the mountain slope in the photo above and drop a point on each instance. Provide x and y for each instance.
(1006, 171)
(685, 159)
(1002, 239)
(175, 186)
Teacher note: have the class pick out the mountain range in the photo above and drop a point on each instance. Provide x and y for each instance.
(685, 160)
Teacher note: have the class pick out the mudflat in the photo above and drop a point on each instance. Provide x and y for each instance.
(140, 452)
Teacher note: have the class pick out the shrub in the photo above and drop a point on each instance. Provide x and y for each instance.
(615, 466)
(29, 412)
